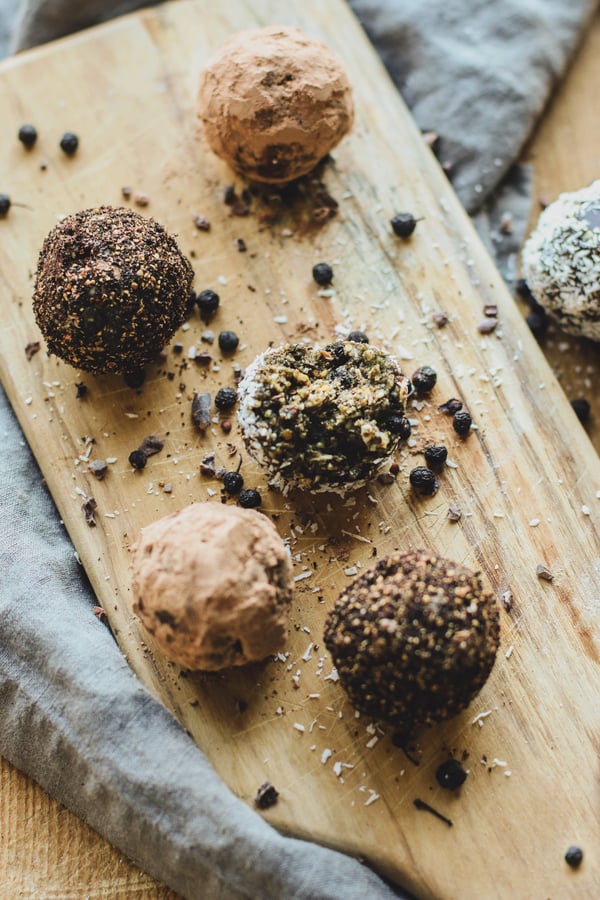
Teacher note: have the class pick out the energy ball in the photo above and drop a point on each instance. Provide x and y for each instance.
(561, 261)
(112, 287)
(273, 103)
(212, 584)
(322, 419)
(413, 639)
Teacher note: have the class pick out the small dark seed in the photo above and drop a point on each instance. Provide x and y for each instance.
(4, 205)
(359, 337)
(208, 303)
(233, 482)
(137, 459)
(403, 224)
(423, 480)
(225, 398)
(249, 499)
(424, 380)
(228, 341)
(27, 135)
(69, 143)
(574, 857)
(450, 774)
(266, 796)
(81, 389)
(462, 422)
(581, 408)
(322, 273)
(436, 456)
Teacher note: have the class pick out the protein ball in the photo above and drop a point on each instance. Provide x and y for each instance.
(111, 289)
(561, 259)
(413, 639)
(212, 584)
(322, 418)
(274, 102)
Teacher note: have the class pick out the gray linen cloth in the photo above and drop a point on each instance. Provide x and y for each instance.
(72, 715)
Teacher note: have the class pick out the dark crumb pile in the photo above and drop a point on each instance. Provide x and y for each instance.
(413, 639)
(323, 418)
(111, 289)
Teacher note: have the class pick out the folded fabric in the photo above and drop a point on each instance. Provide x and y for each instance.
(71, 713)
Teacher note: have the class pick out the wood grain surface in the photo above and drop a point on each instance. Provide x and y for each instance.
(526, 479)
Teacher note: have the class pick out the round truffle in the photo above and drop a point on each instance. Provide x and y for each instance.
(212, 584)
(274, 102)
(413, 639)
(561, 261)
(322, 419)
(111, 289)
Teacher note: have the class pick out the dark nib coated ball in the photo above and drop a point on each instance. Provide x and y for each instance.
(226, 398)
(137, 459)
(574, 857)
(4, 205)
(27, 135)
(359, 337)
(322, 273)
(435, 456)
(403, 224)
(208, 303)
(69, 143)
(249, 499)
(461, 422)
(232, 482)
(424, 380)
(450, 775)
(582, 409)
(413, 639)
(423, 480)
(228, 341)
(111, 290)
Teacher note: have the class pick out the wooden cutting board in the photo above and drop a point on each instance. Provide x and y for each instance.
(527, 480)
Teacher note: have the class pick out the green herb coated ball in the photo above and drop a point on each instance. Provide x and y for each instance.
(413, 639)
(111, 289)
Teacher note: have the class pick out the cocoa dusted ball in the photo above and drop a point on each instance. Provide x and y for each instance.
(111, 289)
(413, 639)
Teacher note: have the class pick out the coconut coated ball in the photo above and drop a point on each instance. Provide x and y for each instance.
(112, 287)
(322, 418)
(413, 639)
(561, 261)
(274, 102)
(212, 584)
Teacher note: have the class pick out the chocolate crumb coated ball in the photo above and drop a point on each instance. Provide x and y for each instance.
(274, 102)
(413, 639)
(561, 260)
(322, 418)
(111, 289)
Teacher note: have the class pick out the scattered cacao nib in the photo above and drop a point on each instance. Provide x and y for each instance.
(177, 349)
(487, 325)
(461, 422)
(266, 796)
(440, 319)
(582, 409)
(454, 513)
(207, 465)
(450, 407)
(208, 336)
(424, 379)
(135, 379)
(240, 209)
(99, 612)
(450, 774)
(491, 310)
(151, 445)
(88, 506)
(141, 199)
(544, 573)
(98, 468)
(201, 411)
(32, 348)
(386, 478)
(229, 195)
(81, 390)
(238, 372)
(137, 459)
(126, 192)
(241, 245)
(420, 804)
(201, 223)
(574, 857)
(203, 358)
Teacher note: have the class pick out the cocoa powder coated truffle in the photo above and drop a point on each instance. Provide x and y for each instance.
(274, 102)
(322, 418)
(413, 639)
(111, 289)
(212, 584)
